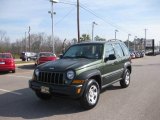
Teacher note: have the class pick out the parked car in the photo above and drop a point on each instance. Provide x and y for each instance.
(137, 54)
(45, 57)
(83, 71)
(141, 54)
(132, 54)
(28, 56)
(7, 62)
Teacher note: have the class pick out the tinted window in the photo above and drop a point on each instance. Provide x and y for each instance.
(109, 50)
(118, 50)
(125, 49)
(45, 54)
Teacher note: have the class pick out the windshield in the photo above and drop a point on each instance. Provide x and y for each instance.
(91, 51)
(46, 54)
(5, 56)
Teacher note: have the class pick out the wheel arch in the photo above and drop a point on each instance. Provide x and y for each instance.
(91, 74)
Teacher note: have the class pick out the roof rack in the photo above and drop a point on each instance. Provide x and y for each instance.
(114, 40)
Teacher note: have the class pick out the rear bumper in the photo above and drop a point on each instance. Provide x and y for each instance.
(7, 68)
(62, 90)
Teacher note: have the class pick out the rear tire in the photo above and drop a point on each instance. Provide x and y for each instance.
(90, 96)
(13, 71)
(126, 79)
(43, 96)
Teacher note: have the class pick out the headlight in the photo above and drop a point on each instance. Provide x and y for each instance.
(37, 72)
(70, 74)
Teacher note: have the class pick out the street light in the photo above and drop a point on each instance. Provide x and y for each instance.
(145, 31)
(135, 43)
(128, 39)
(52, 13)
(116, 34)
(93, 23)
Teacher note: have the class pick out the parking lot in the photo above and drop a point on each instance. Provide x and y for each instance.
(140, 101)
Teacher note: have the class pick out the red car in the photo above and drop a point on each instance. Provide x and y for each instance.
(45, 57)
(7, 62)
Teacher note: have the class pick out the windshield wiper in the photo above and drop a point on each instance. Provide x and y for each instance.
(81, 57)
(68, 57)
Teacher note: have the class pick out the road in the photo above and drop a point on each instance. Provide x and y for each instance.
(140, 101)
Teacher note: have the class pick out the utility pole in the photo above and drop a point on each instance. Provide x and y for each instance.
(52, 15)
(25, 43)
(145, 31)
(135, 43)
(93, 23)
(78, 27)
(116, 34)
(159, 45)
(29, 39)
(128, 39)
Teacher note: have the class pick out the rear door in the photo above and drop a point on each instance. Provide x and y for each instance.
(120, 60)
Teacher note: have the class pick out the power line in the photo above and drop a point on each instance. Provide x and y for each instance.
(112, 24)
(101, 18)
(65, 16)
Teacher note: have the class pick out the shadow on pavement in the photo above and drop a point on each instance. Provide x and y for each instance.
(111, 87)
(4, 73)
(28, 106)
(27, 67)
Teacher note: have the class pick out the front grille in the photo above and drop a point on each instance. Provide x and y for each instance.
(51, 78)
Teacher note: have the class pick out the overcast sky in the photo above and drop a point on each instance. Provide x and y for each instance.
(128, 16)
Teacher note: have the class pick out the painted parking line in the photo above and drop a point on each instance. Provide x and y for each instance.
(19, 76)
(7, 91)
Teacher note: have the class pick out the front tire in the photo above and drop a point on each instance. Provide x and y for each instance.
(91, 95)
(28, 59)
(126, 79)
(43, 96)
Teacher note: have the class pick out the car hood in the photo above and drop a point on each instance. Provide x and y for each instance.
(65, 64)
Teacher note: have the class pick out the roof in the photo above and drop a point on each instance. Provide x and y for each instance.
(99, 42)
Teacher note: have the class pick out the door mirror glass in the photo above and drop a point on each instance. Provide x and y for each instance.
(61, 56)
(112, 57)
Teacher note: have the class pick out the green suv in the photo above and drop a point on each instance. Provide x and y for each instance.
(83, 71)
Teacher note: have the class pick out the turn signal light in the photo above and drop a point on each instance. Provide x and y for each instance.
(78, 90)
(78, 82)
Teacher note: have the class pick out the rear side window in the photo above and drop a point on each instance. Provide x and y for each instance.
(46, 54)
(109, 50)
(5, 56)
(125, 49)
(118, 50)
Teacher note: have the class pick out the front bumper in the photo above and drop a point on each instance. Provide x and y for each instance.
(62, 90)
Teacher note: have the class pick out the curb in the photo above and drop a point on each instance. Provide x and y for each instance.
(17, 65)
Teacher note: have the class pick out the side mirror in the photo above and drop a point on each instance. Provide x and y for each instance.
(61, 56)
(111, 57)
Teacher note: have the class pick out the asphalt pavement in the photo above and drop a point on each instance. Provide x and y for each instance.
(140, 101)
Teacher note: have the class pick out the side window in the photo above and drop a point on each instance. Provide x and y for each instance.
(125, 49)
(118, 50)
(109, 50)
